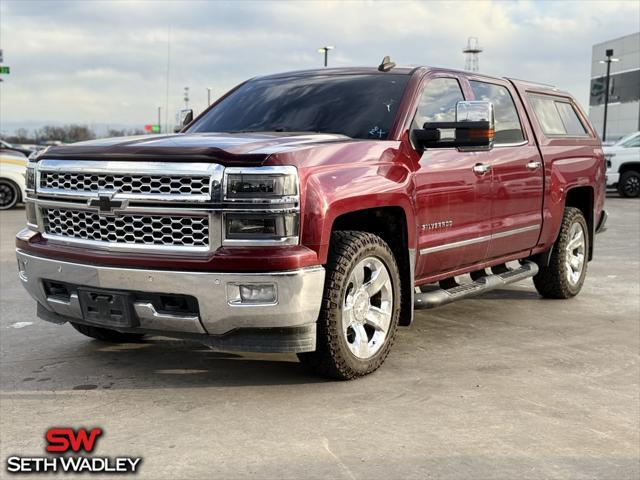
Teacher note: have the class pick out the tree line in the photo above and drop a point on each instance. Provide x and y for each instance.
(66, 134)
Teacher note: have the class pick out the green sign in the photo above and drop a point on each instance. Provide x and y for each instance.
(155, 128)
(5, 70)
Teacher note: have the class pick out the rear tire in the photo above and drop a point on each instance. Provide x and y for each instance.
(9, 194)
(629, 184)
(360, 307)
(567, 269)
(107, 335)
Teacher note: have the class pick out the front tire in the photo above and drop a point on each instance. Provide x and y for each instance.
(9, 194)
(629, 184)
(360, 307)
(567, 269)
(107, 335)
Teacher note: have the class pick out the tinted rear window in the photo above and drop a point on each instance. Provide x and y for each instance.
(359, 106)
(557, 117)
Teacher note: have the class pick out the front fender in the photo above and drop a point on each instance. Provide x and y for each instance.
(335, 192)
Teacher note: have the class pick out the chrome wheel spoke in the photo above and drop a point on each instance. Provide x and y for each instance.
(362, 341)
(347, 318)
(378, 280)
(378, 319)
(575, 241)
(357, 277)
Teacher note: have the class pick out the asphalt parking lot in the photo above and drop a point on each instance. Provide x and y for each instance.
(503, 386)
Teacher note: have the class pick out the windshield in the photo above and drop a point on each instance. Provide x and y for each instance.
(631, 140)
(359, 106)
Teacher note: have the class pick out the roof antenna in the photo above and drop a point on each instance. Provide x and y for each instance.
(386, 64)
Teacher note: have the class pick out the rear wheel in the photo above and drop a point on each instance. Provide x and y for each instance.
(9, 194)
(629, 184)
(567, 269)
(361, 307)
(107, 335)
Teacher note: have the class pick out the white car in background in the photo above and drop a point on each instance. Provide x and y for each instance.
(13, 167)
(623, 165)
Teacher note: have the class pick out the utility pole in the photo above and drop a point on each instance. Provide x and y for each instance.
(609, 55)
(208, 96)
(159, 117)
(325, 50)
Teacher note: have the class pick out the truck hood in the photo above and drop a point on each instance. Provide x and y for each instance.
(225, 148)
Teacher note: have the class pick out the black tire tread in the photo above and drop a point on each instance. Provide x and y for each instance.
(107, 335)
(17, 192)
(623, 178)
(327, 360)
(551, 281)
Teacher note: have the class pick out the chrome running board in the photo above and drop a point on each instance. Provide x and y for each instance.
(482, 282)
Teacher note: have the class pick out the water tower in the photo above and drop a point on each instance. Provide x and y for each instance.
(471, 51)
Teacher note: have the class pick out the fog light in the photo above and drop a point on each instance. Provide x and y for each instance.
(252, 294)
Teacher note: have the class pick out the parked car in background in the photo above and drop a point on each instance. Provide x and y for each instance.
(623, 165)
(13, 167)
(16, 148)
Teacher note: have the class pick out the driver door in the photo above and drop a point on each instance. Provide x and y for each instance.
(453, 203)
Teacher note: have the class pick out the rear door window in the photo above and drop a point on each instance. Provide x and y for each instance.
(557, 117)
(572, 123)
(507, 122)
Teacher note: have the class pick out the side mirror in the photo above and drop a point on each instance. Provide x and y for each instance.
(473, 129)
(185, 117)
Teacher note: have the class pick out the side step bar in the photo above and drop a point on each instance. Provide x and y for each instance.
(482, 282)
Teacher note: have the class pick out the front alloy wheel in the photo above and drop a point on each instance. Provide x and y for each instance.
(360, 307)
(367, 308)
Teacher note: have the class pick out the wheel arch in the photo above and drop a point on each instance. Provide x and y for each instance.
(391, 224)
(583, 198)
(629, 166)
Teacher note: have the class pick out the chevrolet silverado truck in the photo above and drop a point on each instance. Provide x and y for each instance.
(311, 212)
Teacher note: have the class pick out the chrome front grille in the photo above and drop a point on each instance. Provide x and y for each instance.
(126, 184)
(155, 230)
(161, 207)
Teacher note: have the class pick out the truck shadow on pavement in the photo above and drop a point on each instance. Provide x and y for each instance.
(154, 363)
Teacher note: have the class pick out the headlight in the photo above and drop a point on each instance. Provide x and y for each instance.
(261, 184)
(30, 179)
(260, 227)
(277, 223)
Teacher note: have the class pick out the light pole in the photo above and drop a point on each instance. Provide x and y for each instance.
(208, 96)
(159, 117)
(325, 50)
(609, 55)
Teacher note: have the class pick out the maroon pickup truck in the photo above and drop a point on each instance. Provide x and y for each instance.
(311, 212)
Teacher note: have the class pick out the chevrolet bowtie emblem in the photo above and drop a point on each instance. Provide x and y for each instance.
(105, 203)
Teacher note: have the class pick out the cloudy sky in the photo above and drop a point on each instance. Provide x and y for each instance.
(105, 62)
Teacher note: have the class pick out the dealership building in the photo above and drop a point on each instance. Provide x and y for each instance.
(623, 114)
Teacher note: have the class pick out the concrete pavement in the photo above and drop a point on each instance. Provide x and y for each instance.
(503, 386)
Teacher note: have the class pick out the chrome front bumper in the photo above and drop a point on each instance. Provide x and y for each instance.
(299, 296)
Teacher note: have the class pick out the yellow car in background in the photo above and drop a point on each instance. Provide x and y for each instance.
(13, 166)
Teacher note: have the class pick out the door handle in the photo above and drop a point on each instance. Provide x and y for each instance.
(534, 165)
(481, 168)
